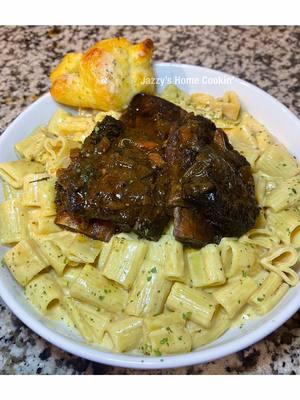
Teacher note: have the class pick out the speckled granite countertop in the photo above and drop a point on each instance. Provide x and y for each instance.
(266, 56)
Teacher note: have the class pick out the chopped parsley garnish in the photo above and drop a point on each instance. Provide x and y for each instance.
(165, 341)
(187, 315)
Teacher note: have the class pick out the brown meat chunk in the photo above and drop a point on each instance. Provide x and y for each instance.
(191, 228)
(158, 162)
(220, 183)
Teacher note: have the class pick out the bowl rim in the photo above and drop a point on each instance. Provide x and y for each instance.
(139, 361)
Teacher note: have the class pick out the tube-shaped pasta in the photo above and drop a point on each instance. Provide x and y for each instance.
(244, 142)
(286, 224)
(63, 240)
(32, 147)
(203, 102)
(25, 261)
(106, 248)
(52, 253)
(97, 319)
(174, 262)
(194, 303)
(205, 266)
(264, 185)
(32, 185)
(238, 135)
(163, 320)
(70, 274)
(107, 343)
(124, 260)
(281, 260)
(235, 294)
(126, 334)
(270, 292)
(13, 222)
(285, 195)
(78, 127)
(171, 339)
(13, 172)
(58, 153)
(150, 290)
(10, 193)
(34, 214)
(260, 182)
(277, 161)
(267, 287)
(220, 323)
(93, 288)
(263, 138)
(230, 105)
(43, 292)
(104, 254)
(237, 258)
(83, 249)
(39, 191)
(262, 238)
(157, 251)
(44, 225)
(71, 307)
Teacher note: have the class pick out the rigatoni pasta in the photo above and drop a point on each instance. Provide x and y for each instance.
(126, 333)
(163, 320)
(58, 153)
(149, 293)
(138, 295)
(220, 323)
(261, 238)
(93, 288)
(92, 321)
(271, 290)
(38, 191)
(44, 292)
(245, 142)
(205, 266)
(281, 260)
(286, 225)
(235, 294)
(237, 257)
(13, 172)
(124, 259)
(25, 261)
(77, 127)
(285, 195)
(195, 304)
(32, 147)
(174, 260)
(13, 222)
(277, 161)
(9, 192)
(171, 339)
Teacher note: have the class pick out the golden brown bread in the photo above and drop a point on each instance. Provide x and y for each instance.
(106, 77)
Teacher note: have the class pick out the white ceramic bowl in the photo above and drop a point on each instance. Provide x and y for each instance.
(276, 117)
